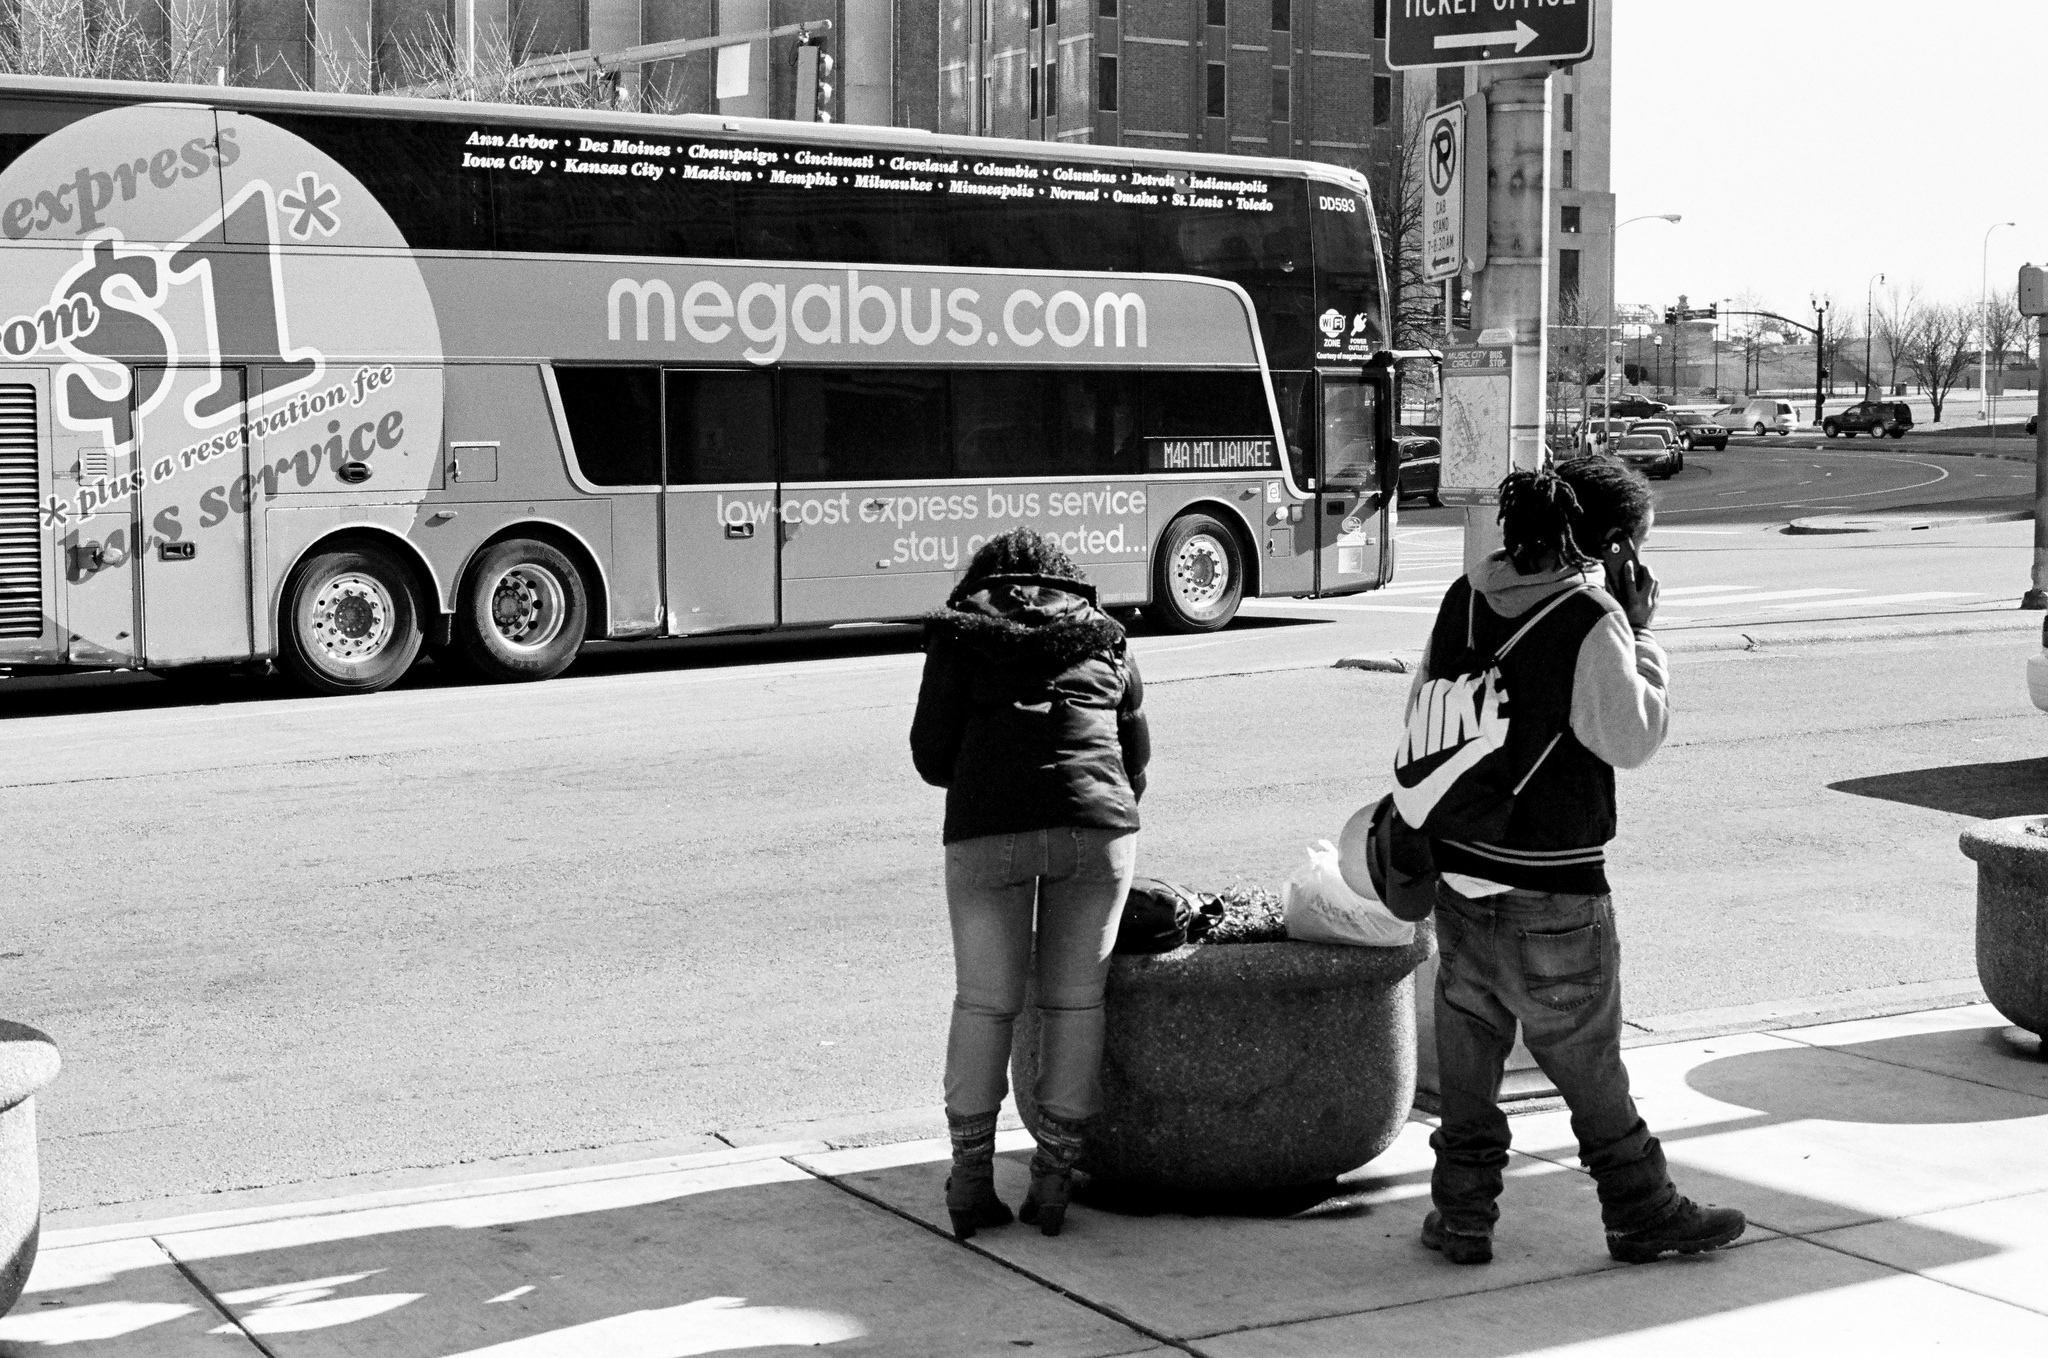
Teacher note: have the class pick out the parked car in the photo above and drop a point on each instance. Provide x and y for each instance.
(1766, 415)
(1595, 434)
(1875, 418)
(1421, 466)
(1696, 430)
(1630, 406)
(1647, 453)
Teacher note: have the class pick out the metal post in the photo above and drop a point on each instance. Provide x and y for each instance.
(2037, 595)
(1984, 318)
(1512, 292)
(1820, 363)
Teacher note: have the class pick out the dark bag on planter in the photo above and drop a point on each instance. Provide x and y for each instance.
(1156, 917)
(1398, 862)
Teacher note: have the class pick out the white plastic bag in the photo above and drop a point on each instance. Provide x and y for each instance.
(1319, 907)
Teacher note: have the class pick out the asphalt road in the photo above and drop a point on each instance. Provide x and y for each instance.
(693, 890)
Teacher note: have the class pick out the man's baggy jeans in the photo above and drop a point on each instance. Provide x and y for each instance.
(1070, 884)
(1552, 963)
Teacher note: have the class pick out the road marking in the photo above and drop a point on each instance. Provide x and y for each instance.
(1762, 595)
(1923, 596)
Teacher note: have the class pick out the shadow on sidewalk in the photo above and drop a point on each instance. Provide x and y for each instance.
(2017, 787)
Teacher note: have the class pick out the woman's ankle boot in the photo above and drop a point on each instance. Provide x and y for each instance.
(971, 1198)
(1052, 1171)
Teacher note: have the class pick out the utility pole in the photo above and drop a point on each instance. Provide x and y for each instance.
(1820, 361)
(2033, 300)
(1512, 293)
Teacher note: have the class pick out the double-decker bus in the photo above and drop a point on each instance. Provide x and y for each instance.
(333, 379)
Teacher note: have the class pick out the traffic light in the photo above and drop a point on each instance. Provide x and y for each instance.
(1671, 315)
(814, 82)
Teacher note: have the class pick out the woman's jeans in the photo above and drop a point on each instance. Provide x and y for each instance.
(1076, 880)
(1553, 964)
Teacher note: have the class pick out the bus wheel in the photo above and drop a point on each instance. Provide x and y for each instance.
(351, 622)
(1198, 580)
(522, 612)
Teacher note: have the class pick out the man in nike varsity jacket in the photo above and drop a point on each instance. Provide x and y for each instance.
(1525, 922)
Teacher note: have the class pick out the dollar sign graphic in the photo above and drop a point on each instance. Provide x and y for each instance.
(122, 330)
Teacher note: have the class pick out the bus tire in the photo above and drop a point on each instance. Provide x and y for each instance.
(522, 612)
(1197, 576)
(351, 621)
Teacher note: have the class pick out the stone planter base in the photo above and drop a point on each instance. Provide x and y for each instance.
(28, 1061)
(1242, 1068)
(2012, 916)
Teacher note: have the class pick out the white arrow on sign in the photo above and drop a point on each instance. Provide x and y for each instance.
(1522, 35)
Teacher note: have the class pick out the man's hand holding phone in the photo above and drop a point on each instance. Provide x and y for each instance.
(1630, 581)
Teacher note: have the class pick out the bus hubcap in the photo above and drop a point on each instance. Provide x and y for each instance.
(526, 607)
(1201, 574)
(352, 617)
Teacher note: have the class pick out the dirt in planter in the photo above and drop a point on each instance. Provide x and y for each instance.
(1239, 914)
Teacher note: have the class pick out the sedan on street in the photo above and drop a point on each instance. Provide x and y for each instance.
(1421, 466)
(1647, 453)
(1664, 427)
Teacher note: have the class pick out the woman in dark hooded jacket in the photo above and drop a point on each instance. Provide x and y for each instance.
(1031, 717)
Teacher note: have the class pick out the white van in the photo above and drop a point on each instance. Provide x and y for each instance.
(1764, 415)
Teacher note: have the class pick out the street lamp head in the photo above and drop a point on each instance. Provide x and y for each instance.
(1675, 217)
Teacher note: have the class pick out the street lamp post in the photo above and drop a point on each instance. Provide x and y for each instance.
(1984, 322)
(1820, 363)
(1869, 313)
(1613, 233)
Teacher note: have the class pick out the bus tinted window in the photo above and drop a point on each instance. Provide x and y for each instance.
(1047, 233)
(1297, 421)
(412, 167)
(1265, 252)
(1202, 404)
(1002, 423)
(872, 425)
(721, 427)
(840, 225)
(27, 121)
(1095, 430)
(1347, 273)
(614, 417)
(613, 216)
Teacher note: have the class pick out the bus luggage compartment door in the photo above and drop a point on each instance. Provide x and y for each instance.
(192, 537)
(1352, 516)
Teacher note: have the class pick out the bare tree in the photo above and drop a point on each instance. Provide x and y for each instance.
(187, 42)
(1937, 347)
(1891, 327)
(1414, 303)
(2004, 329)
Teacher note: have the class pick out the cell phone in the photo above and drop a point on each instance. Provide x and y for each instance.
(1621, 562)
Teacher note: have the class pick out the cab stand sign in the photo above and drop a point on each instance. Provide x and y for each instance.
(1477, 405)
(1487, 32)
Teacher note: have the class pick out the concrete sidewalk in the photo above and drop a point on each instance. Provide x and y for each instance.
(1892, 1169)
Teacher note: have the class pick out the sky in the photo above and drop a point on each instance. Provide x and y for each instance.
(1810, 144)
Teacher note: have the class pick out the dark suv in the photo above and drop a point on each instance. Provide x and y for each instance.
(1875, 418)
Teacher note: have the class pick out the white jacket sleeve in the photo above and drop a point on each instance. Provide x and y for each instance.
(1620, 704)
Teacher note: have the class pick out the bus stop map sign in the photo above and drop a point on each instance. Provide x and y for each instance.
(1476, 387)
(1487, 32)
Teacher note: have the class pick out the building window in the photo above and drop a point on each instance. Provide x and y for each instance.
(1218, 13)
(1030, 13)
(1216, 89)
(1283, 15)
(1568, 169)
(1105, 74)
(1280, 92)
(1568, 220)
(1567, 113)
(1106, 8)
(1567, 277)
(1450, 84)
(1031, 77)
(1052, 89)
(1382, 100)
(1379, 18)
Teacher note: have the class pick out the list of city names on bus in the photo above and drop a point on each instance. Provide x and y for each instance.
(576, 155)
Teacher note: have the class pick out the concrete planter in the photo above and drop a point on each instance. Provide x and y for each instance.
(28, 1061)
(1246, 1067)
(2012, 916)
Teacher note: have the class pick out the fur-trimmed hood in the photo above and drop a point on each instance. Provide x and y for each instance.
(1037, 620)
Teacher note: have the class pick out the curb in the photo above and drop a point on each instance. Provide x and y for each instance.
(1953, 624)
(1899, 523)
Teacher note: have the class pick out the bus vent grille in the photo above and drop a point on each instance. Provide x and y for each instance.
(21, 536)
